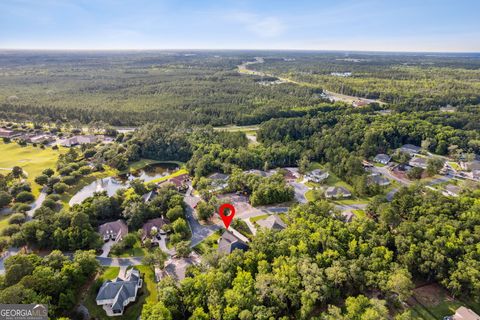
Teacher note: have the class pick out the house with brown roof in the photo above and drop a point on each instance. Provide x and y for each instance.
(114, 230)
(153, 226)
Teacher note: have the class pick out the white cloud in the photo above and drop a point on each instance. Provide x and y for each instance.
(263, 26)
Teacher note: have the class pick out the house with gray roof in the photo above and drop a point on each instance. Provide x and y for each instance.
(382, 158)
(419, 162)
(452, 190)
(114, 230)
(219, 180)
(410, 149)
(337, 192)
(273, 222)
(115, 295)
(229, 242)
(379, 179)
(317, 175)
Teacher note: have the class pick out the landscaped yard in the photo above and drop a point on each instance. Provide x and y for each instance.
(173, 175)
(136, 251)
(148, 293)
(433, 302)
(261, 217)
(32, 160)
(209, 242)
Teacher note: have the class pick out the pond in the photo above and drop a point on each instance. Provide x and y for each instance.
(112, 184)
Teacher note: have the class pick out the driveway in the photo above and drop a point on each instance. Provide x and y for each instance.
(300, 190)
(199, 232)
(106, 248)
(119, 262)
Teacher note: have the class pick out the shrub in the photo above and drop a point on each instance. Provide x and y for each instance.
(5, 199)
(10, 230)
(24, 197)
(16, 218)
(60, 187)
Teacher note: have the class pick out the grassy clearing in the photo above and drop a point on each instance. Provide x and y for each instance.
(142, 163)
(233, 128)
(32, 160)
(4, 221)
(454, 165)
(434, 302)
(359, 213)
(148, 293)
(173, 175)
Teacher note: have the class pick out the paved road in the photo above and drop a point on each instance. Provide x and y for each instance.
(345, 207)
(37, 204)
(387, 173)
(119, 262)
(300, 190)
(199, 232)
(440, 180)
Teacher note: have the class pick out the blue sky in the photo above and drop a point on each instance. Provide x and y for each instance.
(381, 25)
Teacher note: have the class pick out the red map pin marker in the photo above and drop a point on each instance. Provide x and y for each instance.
(226, 219)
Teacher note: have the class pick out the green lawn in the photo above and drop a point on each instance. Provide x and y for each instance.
(136, 251)
(208, 243)
(175, 174)
(4, 221)
(148, 293)
(261, 217)
(454, 165)
(233, 128)
(32, 160)
(142, 163)
(359, 213)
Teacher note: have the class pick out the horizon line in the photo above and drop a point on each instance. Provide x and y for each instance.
(231, 49)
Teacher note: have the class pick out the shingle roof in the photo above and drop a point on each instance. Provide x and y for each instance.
(272, 222)
(120, 290)
(116, 227)
(337, 191)
(228, 242)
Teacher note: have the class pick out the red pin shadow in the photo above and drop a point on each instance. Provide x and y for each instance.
(226, 219)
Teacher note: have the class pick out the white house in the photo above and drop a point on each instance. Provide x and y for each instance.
(317, 175)
(382, 158)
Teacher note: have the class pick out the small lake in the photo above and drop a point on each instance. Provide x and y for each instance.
(112, 184)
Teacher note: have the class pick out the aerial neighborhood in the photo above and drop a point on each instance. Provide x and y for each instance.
(246, 185)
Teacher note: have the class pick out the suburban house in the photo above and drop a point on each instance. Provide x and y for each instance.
(360, 103)
(377, 178)
(114, 230)
(348, 215)
(463, 313)
(219, 180)
(115, 295)
(79, 140)
(229, 242)
(418, 162)
(471, 165)
(180, 182)
(273, 222)
(382, 158)
(147, 197)
(476, 175)
(452, 190)
(317, 175)
(260, 173)
(410, 149)
(337, 192)
(154, 226)
(291, 174)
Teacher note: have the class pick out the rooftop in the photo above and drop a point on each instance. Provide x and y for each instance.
(273, 222)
